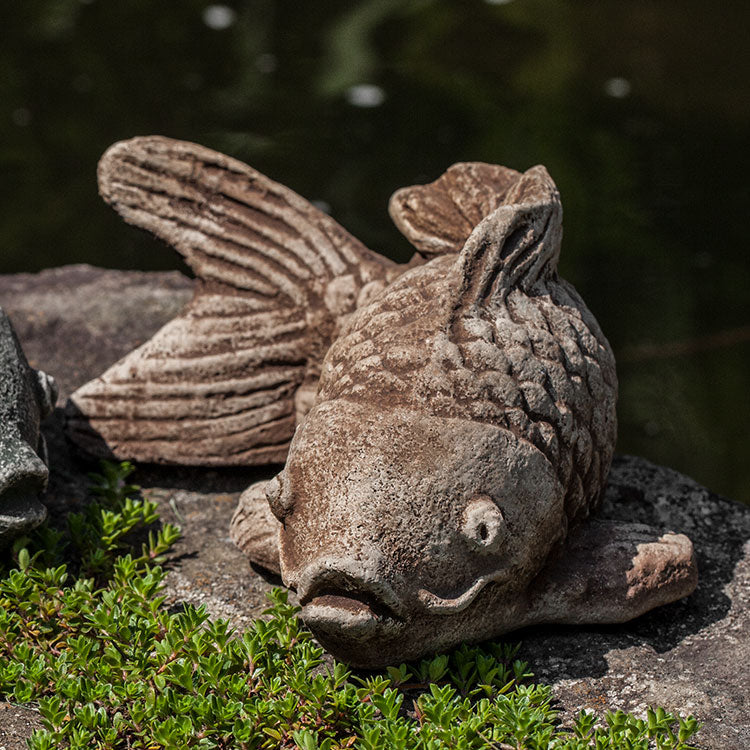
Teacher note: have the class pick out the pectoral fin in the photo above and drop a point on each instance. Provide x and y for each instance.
(611, 572)
(255, 530)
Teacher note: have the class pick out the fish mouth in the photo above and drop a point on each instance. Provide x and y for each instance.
(344, 606)
(19, 513)
(440, 606)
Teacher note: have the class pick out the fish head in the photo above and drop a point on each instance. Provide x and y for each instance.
(26, 397)
(396, 524)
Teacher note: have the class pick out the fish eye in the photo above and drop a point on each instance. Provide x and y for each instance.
(483, 523)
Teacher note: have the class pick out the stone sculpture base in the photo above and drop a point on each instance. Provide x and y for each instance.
(687, 656)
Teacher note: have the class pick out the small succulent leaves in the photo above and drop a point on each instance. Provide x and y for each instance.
(109, 666)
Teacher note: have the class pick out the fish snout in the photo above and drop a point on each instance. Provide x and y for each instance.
(23, 478)
(22, 472)
(344, 602)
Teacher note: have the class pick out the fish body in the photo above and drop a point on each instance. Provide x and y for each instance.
(26, 397)
(447, 425)
(464, 420)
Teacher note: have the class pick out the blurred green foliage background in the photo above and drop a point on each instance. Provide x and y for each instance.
(639, 110)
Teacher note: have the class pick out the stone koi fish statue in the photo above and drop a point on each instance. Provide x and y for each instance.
(447, 425)
(26, 397)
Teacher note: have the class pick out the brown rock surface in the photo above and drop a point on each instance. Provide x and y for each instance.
(690, 656)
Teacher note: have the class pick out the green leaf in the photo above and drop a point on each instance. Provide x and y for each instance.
(24, 559)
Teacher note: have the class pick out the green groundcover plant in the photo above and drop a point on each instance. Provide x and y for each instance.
(84, 635)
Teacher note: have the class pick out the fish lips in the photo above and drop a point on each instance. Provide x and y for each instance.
(19, 513)
(346, 609)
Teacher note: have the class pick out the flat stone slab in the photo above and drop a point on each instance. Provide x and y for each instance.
(690, 657)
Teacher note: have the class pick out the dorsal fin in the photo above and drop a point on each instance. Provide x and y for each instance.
(517, 245)
(220, 384)
(439, 217)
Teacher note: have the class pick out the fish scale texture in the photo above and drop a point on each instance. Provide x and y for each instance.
(537, 365)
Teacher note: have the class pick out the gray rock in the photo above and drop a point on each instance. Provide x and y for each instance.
(689, 656)
(75, 321)
(26, 397)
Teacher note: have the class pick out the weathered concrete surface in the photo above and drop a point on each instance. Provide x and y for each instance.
(26, 397)
(690, 656)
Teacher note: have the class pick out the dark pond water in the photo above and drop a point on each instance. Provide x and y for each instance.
(640, 111)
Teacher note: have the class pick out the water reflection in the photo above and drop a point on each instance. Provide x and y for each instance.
(617, 87)
(219, 17)
(639, 110)
(365, 95)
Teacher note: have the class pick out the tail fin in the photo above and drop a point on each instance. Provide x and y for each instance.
(217, 385)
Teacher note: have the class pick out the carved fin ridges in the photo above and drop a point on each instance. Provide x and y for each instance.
(516, 246)
(175, 190)
(439, 217)
(197, 379)
(142, 427)
(205, 443)
(217, 385)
